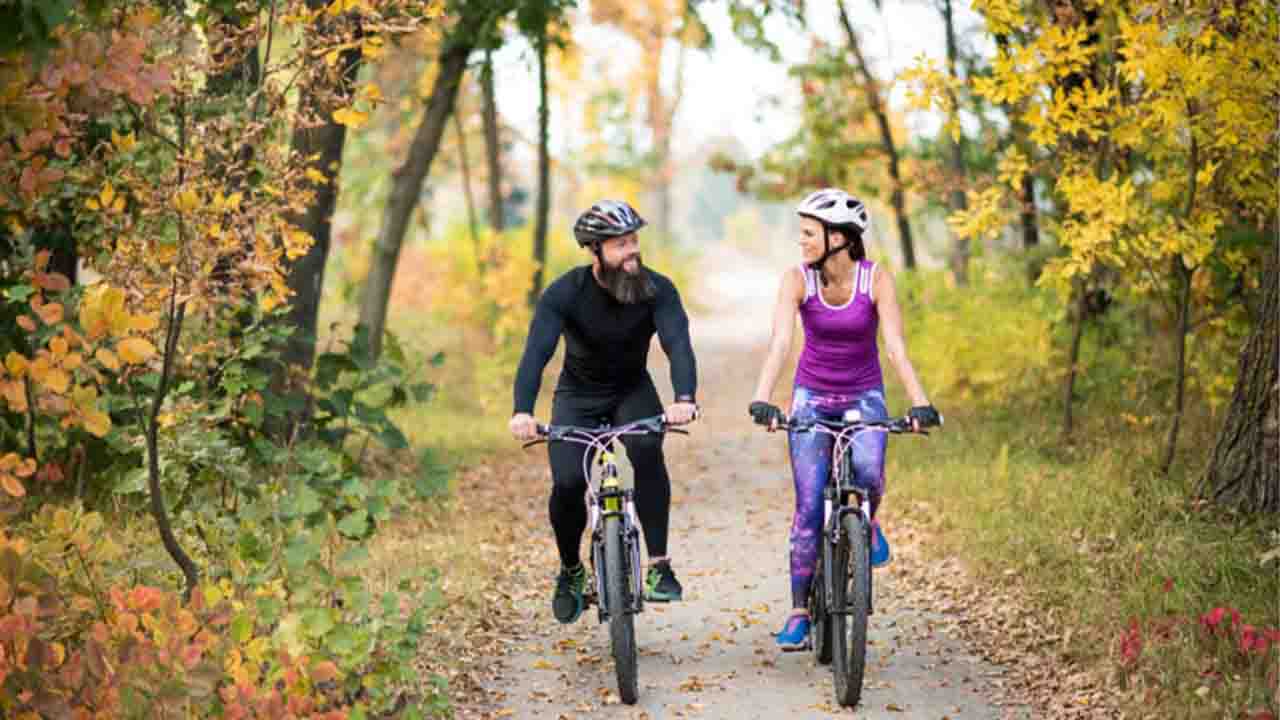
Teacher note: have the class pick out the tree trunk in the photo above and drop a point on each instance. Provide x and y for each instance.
(544, 177)
(325, 140)
(406, 189)
(872, 88)
(497, 217)
(1184, 275)
(1030, 226)
(1244, 469)
(960, 247)
(1073, 359)
(466, 182)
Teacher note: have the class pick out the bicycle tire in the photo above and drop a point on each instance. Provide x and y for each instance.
(818, 615)
(851, 578)
(622, 632)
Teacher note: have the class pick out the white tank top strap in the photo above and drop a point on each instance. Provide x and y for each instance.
(864, 278)
(810, 281)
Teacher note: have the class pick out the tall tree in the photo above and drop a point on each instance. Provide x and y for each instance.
(475, 23)
(875, 101)
(960, 248)
(319, 140)
(541, 23)
(1244, 469)
(493, 151)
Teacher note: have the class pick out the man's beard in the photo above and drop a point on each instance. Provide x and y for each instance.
(627, 287)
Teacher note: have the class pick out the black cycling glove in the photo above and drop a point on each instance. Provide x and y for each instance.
(764, 413)
(926, 415)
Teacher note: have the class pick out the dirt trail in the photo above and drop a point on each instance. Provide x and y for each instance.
(713, 656)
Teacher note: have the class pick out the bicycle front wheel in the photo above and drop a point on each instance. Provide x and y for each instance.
(622, 631)
(851, 602)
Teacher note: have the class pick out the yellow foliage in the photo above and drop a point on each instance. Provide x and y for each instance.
(135, 350)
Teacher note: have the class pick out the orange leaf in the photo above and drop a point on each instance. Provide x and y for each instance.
(12, 486)
(9, 461)
(58, 346)
(324, 671)
(26, 323)
(16, 395)
(108, 359)
(72, 361)
(135, 350)
(51, 281)
(42, 260)
(26, 468)
(50, 313)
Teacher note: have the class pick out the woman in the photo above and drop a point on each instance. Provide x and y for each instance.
(842, 297)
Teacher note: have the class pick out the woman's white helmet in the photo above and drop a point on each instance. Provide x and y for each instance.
(832, 206)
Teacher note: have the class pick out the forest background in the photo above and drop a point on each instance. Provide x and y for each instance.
(267, 266)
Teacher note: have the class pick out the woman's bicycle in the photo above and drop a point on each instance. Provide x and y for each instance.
(616, 584)
(840, 597)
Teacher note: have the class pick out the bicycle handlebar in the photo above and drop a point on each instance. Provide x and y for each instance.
(655, 425)
(897, 426)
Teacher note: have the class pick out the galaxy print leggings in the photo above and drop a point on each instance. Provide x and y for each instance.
(811, 468)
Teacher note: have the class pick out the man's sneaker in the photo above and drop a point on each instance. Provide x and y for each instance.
(568, 602)
(794, 635)
(880, 555)
(661, 585)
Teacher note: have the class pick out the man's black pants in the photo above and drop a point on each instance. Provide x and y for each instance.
(652, 484)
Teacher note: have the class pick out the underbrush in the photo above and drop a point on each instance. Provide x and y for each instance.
(1176, 598)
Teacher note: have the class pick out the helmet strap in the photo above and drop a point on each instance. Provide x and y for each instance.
(827, 253)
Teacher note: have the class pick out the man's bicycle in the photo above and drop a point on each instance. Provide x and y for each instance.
(840, 597)
(616, 582)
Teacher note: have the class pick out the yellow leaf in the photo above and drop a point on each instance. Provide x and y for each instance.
(108, 195)
(186, 201)
(57, 380)
(12, 486)
(233, 200)
(97, 422)
(73, 361)
(316, 176)
(123, 143)
(107, 358)
(135, 350)
(58, 346)
(16, 364)
(143, 323)
(351, 117)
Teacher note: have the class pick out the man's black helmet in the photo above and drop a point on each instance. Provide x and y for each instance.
(606, 219)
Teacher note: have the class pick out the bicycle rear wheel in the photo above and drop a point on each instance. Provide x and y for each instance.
(851, 599)
(622, 632)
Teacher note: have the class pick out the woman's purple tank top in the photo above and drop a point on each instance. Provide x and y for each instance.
(840, 353)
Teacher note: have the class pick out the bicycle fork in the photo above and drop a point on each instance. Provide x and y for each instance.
(833, 530)
(614, 500)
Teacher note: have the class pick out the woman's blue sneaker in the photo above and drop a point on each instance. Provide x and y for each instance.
(880, 555)
(794, 634)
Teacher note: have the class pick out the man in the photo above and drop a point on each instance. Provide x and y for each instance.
(608, 312)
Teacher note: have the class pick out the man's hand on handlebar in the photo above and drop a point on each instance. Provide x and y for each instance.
(523, 426)
(681, 413)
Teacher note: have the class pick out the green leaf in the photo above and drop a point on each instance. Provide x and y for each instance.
(330, 365)
(355, 524)
(354, 556)
(300, 551)
(303, 501)
(19, 293)
(242, 628)
(317, 622)
(422, 392)
(438, 359)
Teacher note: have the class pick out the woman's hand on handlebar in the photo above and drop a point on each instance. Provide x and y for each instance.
(769, 415)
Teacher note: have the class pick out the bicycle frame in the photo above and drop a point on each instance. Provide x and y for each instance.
(606, 497)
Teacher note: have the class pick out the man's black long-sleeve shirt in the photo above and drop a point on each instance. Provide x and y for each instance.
(606, 342)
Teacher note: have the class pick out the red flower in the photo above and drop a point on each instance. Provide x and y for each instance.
(1131, 644)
